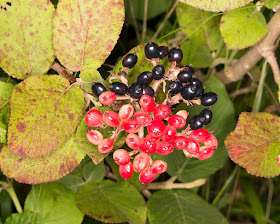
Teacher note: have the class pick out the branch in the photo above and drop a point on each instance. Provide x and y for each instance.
(171, 185)
(265, 48)
(63, 72)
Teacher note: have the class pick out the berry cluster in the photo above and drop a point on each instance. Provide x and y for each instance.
(141, 114)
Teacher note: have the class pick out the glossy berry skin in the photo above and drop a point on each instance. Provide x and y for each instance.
(208, 99)
(129, 60)
(143, 117)
(131, 125)
(207, 114)
(212, 141)
(164, 148)
(196, 122)
(189, 68)
(158, 167)
(162, 52)
(145, 78)
(106, 145)
(147, 90)
(148, 145)
(179, 142)
(147, 176)
(111, 118)
(147, 103)
(162, 111)
(121, 157)
(177, 121)
(174, 87)
(156, 128)
(169, 133)
(192, 146)
(97, 88)
(183, 113)
(107, 98)
(133, 141)
(185, 76)
(188, 92)
(205, 152)
(93, 118)
(126, 171)
(158, 72)
(175, 55)
(135, 90)
(151, 50)
(94, 137)
(119, 88)
(199, 91)
(200, 135)
(141, 162)
(196, 82)
(126, 112)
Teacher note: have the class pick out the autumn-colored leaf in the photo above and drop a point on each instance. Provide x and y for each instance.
(51, 167)
(254, 144)
(26, 37)
(45, 110)
(86, 31)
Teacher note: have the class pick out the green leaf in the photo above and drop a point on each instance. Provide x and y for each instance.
(254, 144)
(3, 132)
(51, 167)
(54, 203)
(222, 122)
(196, 54)
(26, 48)
(45, 110)
(89, 28)
(200, 26)
(72, 182)
(216, 5)
(271, 3)
(6, 90)
(95, 173)
(181, 206)
(23, 218)
(112, 202)
(243, 27)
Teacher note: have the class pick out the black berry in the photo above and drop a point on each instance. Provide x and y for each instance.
(162, 52)
(147, 90)
(174, 87)
(196, 82)
(207, 114)
(135, 90)
(119, 88)
(199, 90)
(145, 78)
(129, 60)
(158, 72)
(185, 76)
(188, 92)
(196, 122)
(151, 50)
(175, 54)
(208, 99)
(97, 88)
(190, 69)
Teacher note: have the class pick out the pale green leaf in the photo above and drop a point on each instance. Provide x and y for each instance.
(3, 132)
(26, 37)
(45, 110)
(271, 3)
(54, 203)
(86, 31)
(51, 167)
(23, 218)
(6, 90)
(243, 27)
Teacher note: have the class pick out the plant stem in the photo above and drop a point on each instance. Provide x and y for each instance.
(145, 21)
(134, 21)
(171, 185)
(63, 72)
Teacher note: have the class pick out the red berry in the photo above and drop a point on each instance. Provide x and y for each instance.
(131, 126)
(177, 121)
(121, 157)
(95, 137)
(156, 128)
(126, 171)
(111, 118)
(212, 141)
(192, 146)
(164, 148)
(141, 162)
(106, 145)
(162, 111)
(278, 160)
(143, 117)
(133, 141)
(147, 103)
(126, 112)
(158, 166)
(156, 139)
(200, 135)
(205, 152)
(107, 98)
(169, 133)
(180, 142)
(148, 145)
(147, 176)
(93, 118)
(183, 113)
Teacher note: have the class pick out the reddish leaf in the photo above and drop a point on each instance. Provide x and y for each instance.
(254, 144)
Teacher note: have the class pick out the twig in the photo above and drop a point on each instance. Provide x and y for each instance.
(269, 198)
(241, 91)
(168, 185)
(63, 72)
(145, 21)
(134, 21)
